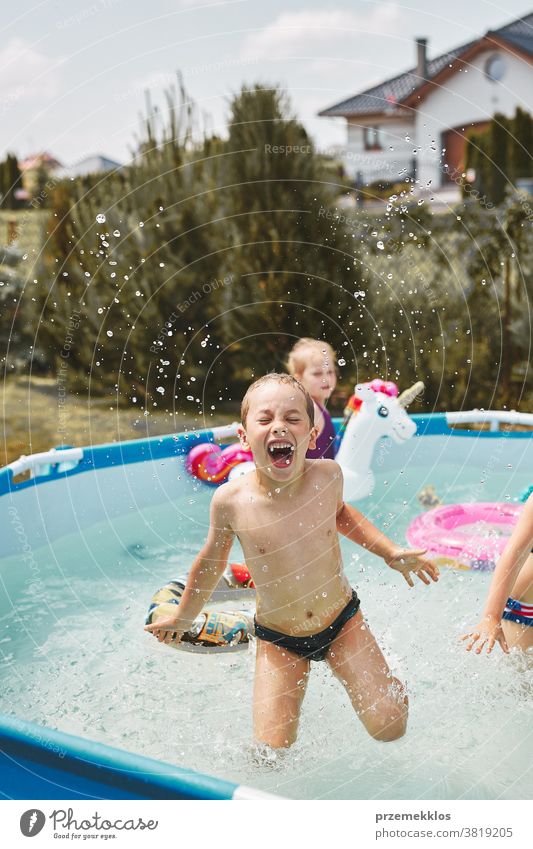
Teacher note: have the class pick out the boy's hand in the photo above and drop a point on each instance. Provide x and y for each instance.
(406, 561)
(167, 630)
(489, 631)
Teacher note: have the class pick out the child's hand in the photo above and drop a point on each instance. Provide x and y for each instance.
(488, 631)
(406, 561)
(166, 630)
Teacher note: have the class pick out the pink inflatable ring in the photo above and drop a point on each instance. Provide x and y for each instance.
(466, 536)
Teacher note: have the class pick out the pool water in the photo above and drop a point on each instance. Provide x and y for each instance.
(74, 655)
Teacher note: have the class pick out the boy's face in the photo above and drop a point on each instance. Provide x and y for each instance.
(319, 378)
(277, 430)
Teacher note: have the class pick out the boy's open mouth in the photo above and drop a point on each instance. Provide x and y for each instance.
(281, 453)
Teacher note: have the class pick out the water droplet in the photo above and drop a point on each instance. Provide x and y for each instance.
(109, 332)
(264, 568)
(100, 218)
(341, 362)
(161, 390)
(380, 245)
(141, 223)
(100, 310)
(116, 233)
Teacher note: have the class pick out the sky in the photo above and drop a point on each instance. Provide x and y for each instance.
(73, 72)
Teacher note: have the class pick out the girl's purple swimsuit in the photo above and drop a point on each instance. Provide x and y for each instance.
(325, 444)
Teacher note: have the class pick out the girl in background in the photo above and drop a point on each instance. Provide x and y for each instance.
(312, 363)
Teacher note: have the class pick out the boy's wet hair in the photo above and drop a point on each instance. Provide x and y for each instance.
(305, 347)
(288, 380)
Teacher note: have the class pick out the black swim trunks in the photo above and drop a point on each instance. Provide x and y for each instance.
(314, 646)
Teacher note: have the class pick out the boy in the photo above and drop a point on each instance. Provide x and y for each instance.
(286, 515)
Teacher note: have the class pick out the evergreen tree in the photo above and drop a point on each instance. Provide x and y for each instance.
(496, 251)
(500, 154)
(521, 145)
(10, 181)
(289, 251)
(477, 160)
(498, 151)
(131, 251)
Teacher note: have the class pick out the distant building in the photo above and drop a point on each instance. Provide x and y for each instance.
(36, 169)
(96, 164)
(415, 124)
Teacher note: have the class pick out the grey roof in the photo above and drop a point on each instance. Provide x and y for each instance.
(389, 95)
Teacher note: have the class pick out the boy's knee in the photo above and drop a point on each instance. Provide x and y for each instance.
(391, 722)
(281, 740)
(394, 730)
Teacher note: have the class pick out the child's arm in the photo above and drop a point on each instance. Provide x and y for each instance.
(352, 524)
(203, 577)
(489, 629)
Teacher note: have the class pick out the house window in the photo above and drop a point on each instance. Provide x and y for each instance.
(372, 137)
(495, 68)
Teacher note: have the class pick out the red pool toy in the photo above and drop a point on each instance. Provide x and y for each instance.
(212, 464)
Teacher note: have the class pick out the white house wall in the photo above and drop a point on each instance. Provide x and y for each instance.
(465, 98)
(386, 163)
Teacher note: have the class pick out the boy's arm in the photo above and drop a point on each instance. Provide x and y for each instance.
(352, 524)
(489, 630)
(204, 575)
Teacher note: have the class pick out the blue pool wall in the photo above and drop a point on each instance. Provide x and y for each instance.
(142, 474)
(161, 447)
(41, 763)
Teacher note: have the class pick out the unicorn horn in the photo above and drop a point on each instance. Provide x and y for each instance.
(408, 395)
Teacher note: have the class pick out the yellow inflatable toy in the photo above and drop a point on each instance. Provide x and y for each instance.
(212, 630)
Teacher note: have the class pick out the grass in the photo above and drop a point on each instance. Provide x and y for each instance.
(31, 417)
(30, 226)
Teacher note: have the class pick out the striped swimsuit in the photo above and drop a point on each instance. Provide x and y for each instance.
(517, 611)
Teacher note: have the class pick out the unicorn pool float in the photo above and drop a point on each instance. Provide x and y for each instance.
(376, 410)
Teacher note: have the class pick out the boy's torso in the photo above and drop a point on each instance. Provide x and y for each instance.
(290, 544)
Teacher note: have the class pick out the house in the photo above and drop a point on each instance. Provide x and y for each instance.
(95, 164)
(35, 169)
(415, 125)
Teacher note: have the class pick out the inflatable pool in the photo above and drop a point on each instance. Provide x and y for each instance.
(92, 707)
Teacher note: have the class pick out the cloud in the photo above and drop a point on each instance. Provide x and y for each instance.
(26, 74)
(307, 31)
(200, 3)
